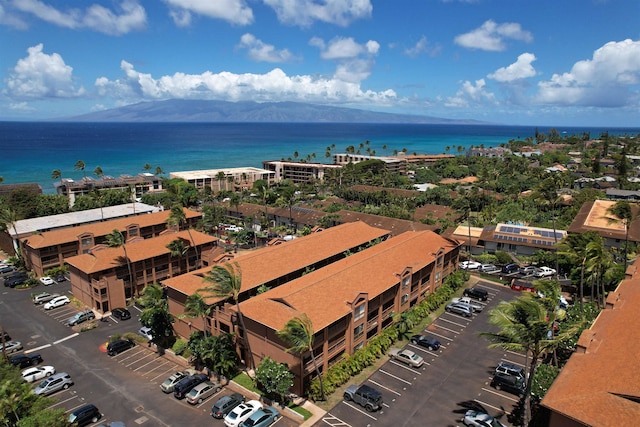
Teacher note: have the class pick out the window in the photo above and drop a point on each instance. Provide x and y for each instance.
(404, 299)
(358, 332)
(437, 278)
(405, 282)
(358, 313)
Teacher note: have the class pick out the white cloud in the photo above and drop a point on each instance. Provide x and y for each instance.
(469, 94)
(491, 36)
(305, 12)
(422, 46)
(96, 17)
(610, 79)
(233, 11)
(521, 69)
(260, 51)
(41, 76)
(344, 48)
(272, 86)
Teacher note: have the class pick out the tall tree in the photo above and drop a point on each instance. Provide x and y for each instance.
(177, 217)
(56, 174)
(80, 166)
(116, 239)
(196, 306)
(299, 333)
(8, 219)
(225, 281)
(155, 314)
(177, 249)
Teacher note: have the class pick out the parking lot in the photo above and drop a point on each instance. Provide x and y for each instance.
(453, 379)
(125, 387)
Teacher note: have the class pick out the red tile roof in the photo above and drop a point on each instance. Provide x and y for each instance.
(324, 295)
(107, 258)
(71, 234)
(266, 264)
(600, 384)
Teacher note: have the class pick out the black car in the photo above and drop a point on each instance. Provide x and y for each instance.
(476, 293)
(121, 313)
(84, 415)
(60, 277)
(510, 268)
(16, 279)
(509, 383)
(185, 385)
(426, 342)
(6, 338)
(25, 360)
(225, 404)
(119, 346)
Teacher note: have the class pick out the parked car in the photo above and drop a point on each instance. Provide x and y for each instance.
(16, 279)
(185, 385)
(545, 272)
(262, 418)
(469, 265)
(406, 356)
(10, 347)
(528, 270)
(34, 374)
(119, 346)
(203, 391)
(55, 382)
(510, 269)
(43, 297)
(5, 336)
(225, 404)
(84, 415)
(24, 360)
(508, 383)
(426, 342)
(480, 419)
(145, 331)
(476, 306)
(241, 413)
(60, 277)
(476, 293)
(459, 308)
(510, 369)
(81, 317)
(57, 302)
(121, 313)
(168, 384)
(488, 268)
(47, 281)
(365, 396)
(7, 269)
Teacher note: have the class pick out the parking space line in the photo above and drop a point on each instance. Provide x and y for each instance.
(60, 402)
(479, 285)
(512, 362)
(517, 354)
(331, 417)
(141, 358)
(491, 406)
(66, 338)
(439, 335)
(501, 395)
(159, 366)
(424, 350)
(386, 388)
(31, 350)
(454, 323)
(447, 329)
(148, 363)
(404, 366)
(361, 411)
(394, 376)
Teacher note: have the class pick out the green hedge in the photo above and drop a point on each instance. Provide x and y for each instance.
(351, 365)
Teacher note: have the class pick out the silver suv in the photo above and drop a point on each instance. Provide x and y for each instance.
(81, 317)
(61, 381)
(459, 308)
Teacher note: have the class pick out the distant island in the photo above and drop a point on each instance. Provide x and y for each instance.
(201, 111)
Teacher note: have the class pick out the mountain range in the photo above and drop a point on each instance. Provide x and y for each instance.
(204, 111)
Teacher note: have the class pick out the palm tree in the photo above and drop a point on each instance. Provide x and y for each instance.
(98, 172)
(299, 333)
(155, 314)
(178, 248)
(116, 239)
(80, 166)
(8, 219)
(195, 306)
(225, 281)
(220, 177)
(525, 325)
(56, 174)
(146, 167)
(158, 171)
(177, 217)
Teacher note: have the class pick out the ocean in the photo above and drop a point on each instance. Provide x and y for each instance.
(30, 151)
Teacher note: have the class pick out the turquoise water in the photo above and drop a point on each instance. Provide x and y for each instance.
(29, 152)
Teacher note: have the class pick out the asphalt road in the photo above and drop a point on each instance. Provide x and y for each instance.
(125, 387)
(453, 379)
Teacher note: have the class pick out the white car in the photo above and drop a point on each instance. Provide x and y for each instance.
(57, 302)
(34, 374)
(477, 307)
(480, 419)
(470, 265)
(545, 272)
(46, 280)
(241, 413)
(145, 331)
(10, 347)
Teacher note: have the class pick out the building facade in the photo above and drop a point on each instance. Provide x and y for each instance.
(138, 185)
(229, 179)
(298, 172)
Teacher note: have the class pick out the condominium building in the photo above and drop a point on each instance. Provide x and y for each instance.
(393, 164)
(298, 172)
(229, 179)
(138, 185)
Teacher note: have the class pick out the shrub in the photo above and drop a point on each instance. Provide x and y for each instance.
(179, 346)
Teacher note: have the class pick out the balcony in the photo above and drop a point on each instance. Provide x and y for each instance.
(373, 323)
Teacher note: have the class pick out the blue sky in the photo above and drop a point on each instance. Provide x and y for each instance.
(527, 62)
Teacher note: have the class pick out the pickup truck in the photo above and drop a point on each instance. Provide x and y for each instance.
(406, 356)
(466, 300)
(368, 397)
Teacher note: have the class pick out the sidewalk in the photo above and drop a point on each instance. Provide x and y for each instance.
(317, 414)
